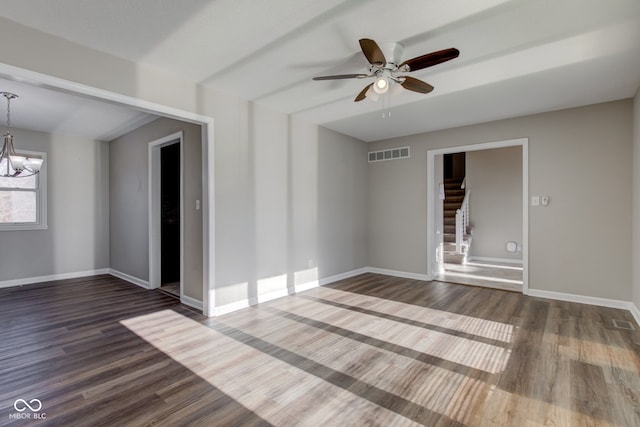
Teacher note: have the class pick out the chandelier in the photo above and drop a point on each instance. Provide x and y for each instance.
(11, 164)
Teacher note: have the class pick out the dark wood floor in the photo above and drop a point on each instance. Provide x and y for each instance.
(371, 350)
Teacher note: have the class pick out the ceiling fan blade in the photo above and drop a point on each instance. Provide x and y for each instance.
(373, 52)
(416, 85)
(431, 59)
(363, 93)
(342, 76)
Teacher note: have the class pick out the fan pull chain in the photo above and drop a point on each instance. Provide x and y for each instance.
(386, 106)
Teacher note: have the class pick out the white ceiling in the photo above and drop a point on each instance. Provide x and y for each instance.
(517, 57)
(48, 110)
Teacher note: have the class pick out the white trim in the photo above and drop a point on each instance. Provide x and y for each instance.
(395, 273)
(128, 278)
(524, 143)
(51, 277)
(490, 259)
(208, 222)
(635, 312)
(582, 299)
(208, 239)
(229, 308)
(50, 82)
(191, 302)
(341, 276)
(268, 296)
(155, 228)
(248, 302)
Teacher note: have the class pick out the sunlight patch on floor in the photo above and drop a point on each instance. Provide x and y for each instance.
(471, 325)
(275, 389)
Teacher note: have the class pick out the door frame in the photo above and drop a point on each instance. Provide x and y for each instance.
(155, 226)
(432, 194)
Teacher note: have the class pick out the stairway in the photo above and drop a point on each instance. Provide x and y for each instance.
(454, 196)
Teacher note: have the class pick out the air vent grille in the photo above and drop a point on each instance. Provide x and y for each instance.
(390, 154)
(623, 324)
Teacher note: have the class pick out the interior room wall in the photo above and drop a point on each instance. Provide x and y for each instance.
(494, 179)
(77, 237)
(579, 157)
(129, 201)
(290, 202)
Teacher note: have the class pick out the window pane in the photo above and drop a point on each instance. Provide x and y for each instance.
(17, 206)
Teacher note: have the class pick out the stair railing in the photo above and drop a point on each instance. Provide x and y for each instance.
(462, 221)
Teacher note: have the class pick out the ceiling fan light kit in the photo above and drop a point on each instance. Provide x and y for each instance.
(385, 67)
(381, 85)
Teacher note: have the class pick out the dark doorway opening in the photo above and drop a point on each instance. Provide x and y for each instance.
(454, 166)
(170, 218)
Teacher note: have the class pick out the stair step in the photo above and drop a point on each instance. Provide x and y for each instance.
(453, 200)
(454, 258)
(451, 238)
(452, 183)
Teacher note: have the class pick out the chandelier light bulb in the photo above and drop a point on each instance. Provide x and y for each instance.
(17, 162)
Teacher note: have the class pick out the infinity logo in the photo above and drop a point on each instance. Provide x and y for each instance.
(21, 405)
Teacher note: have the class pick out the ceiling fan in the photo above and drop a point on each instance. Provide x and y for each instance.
(386, 70)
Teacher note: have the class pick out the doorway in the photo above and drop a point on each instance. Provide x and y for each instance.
(436, 166)
(166, 215)
(170, 219)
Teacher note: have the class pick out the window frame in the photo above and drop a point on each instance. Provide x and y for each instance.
(41, 198)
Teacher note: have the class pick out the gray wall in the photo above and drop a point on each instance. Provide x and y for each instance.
(77, 238)
(494, 179)
(290, 202)
(129, 199)
(580, 157)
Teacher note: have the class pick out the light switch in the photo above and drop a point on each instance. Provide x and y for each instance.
(535, 200)
(197, 205)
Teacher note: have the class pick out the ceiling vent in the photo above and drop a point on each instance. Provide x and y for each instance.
(390, 154)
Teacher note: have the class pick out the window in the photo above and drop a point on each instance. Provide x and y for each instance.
(23, 201)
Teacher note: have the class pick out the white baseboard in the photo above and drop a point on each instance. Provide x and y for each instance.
(560, 296)
(238, 305)
(341, 276)
(129, 278)
(191, 302)
(229, 308)
(395, 273)
(51, 277)
(498, 260)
